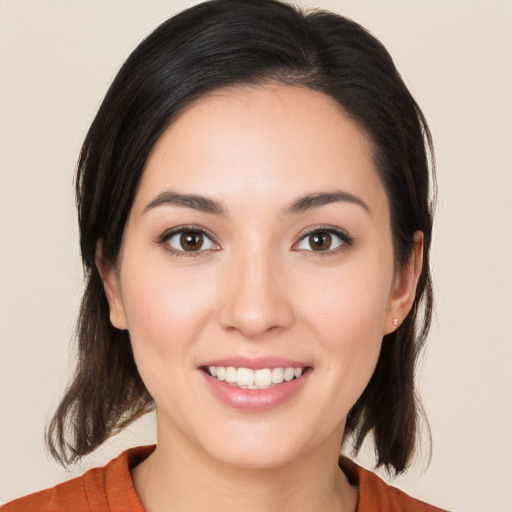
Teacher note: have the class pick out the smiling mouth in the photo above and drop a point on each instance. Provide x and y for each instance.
(246, 378)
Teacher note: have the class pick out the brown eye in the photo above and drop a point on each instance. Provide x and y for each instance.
(320, 241)
(189, 240)
(323, 240)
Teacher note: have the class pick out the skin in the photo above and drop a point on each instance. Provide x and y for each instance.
(257, 290)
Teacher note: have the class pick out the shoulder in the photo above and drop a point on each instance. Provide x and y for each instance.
(70, 495)
(99, 490)
(375, 494)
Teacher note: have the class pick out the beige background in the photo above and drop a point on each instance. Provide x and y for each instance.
(57, 58)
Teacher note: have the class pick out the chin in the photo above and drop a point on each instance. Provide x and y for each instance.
(259, 446)
(255, 457)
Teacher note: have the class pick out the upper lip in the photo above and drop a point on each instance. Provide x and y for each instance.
(255, 363)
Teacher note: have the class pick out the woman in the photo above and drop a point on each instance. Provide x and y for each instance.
(255, 218)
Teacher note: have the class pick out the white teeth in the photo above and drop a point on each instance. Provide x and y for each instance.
(230, 374)
(246, 378)
(289, 373)
(263, 377)
(277, 375)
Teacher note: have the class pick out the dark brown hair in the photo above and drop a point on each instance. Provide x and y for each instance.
(218, 44)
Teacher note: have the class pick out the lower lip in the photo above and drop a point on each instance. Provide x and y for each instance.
(255, 400)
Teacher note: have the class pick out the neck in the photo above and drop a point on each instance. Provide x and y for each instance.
(180, 477)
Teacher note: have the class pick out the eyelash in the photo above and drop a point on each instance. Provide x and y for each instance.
(164, 238)
(347, 241)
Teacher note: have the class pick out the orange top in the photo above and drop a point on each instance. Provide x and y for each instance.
(110, 489)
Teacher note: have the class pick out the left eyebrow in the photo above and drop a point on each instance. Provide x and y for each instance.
(311, 201)
(194, 201)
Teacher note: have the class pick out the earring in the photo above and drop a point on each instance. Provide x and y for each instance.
(395, 321)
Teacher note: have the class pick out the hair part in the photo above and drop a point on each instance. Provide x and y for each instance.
(214, 45)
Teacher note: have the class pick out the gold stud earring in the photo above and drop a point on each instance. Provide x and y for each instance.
(395, 321)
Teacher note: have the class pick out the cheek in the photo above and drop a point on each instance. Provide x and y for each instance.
(166, 308)
(353, 334)
(348, 316)
(348, 305)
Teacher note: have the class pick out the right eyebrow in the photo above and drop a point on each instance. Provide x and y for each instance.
(194, 201)
(311, 201)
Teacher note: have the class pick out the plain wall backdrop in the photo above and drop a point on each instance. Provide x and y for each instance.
(57, 59)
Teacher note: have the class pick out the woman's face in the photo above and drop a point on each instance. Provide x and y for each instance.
(259, 239)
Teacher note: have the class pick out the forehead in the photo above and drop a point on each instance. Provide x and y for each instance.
(270, 141)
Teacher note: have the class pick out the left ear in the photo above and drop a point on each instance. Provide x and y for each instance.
(404, 286)
(112, 289)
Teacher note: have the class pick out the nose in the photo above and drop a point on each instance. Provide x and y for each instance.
(255, 300)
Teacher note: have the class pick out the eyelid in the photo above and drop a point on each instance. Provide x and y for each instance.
(169, 233)
(348, 240)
